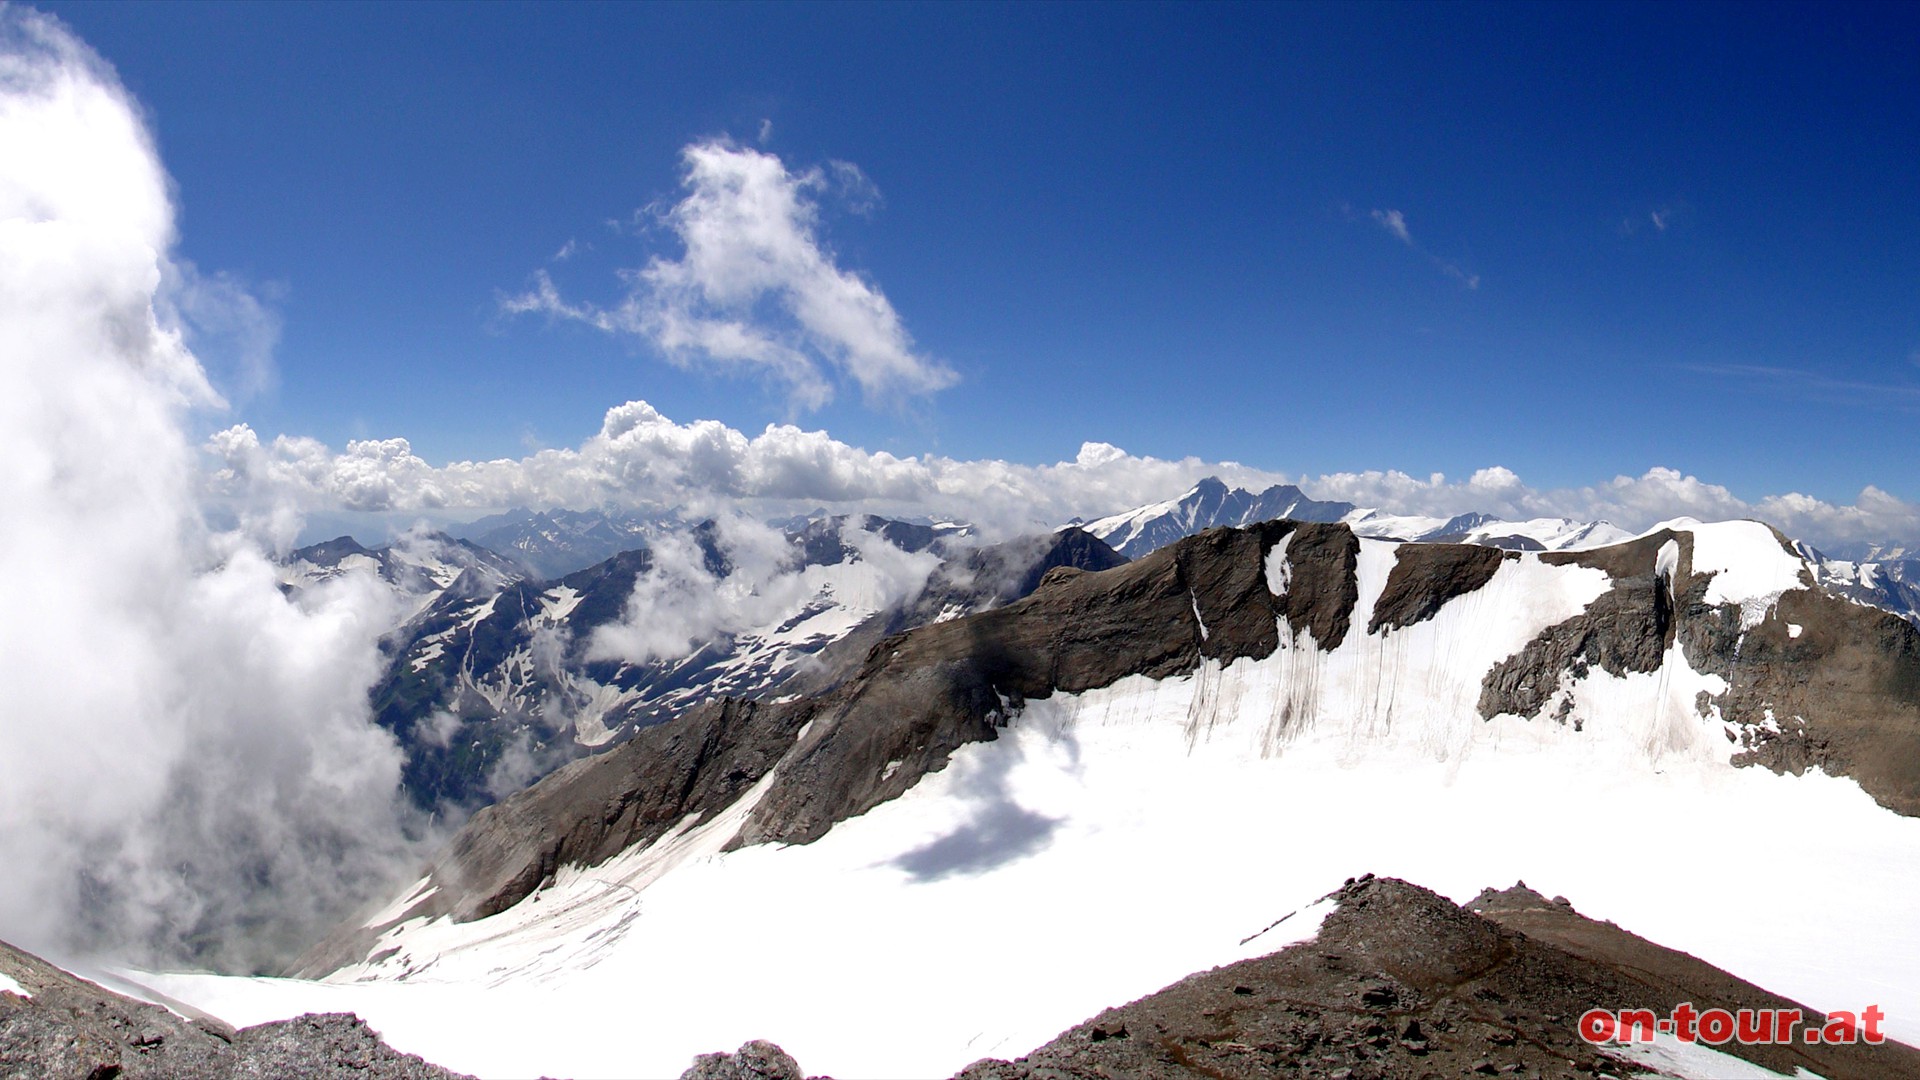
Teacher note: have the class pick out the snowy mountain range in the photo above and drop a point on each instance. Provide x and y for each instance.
(1203, 742)
(490, 683)
(1211, 504)
(550, 544)
(1881, 575)
(494, 678)
(419, 568)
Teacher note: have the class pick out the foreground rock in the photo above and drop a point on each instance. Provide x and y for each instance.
(65, 1028)
(756, 1060)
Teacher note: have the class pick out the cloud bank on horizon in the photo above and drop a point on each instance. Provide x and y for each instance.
(640, 457)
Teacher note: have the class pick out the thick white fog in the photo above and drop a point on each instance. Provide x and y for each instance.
(187, 765)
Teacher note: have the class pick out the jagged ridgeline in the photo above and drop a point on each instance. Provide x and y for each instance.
(494, 679)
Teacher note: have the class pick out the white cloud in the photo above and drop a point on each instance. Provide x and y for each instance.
(679, 604)
(755, 291)
(642, 458)
(183, 751)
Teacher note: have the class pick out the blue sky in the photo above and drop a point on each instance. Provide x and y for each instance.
(1574, 241)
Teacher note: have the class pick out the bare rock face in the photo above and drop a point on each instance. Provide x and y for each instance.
(1401, 983)
(71, 1029)
(1426, 576)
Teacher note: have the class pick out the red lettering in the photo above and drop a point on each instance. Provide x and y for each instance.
(1716, 1026)
(1683, 1018)
(1756, 1026)
(1872, 1015)
(1637, 1025)
(1596, 1025)
(1840, 1027)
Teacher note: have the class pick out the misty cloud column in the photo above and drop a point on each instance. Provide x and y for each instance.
(186, 766)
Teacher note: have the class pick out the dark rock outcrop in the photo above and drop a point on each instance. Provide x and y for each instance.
(1426, 576)
(71, 1029)
(1821, 682)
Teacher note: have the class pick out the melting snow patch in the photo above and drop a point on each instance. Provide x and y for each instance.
(8, 986)
(1793, 629)
(1279, 570)
(428, 655)
(558, 603)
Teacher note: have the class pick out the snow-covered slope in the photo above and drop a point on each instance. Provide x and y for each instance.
(1013, 820)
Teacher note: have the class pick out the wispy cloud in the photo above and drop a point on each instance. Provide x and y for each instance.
(1395, 223)
(1800, 383)
(755, 290)
(1659, 219)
